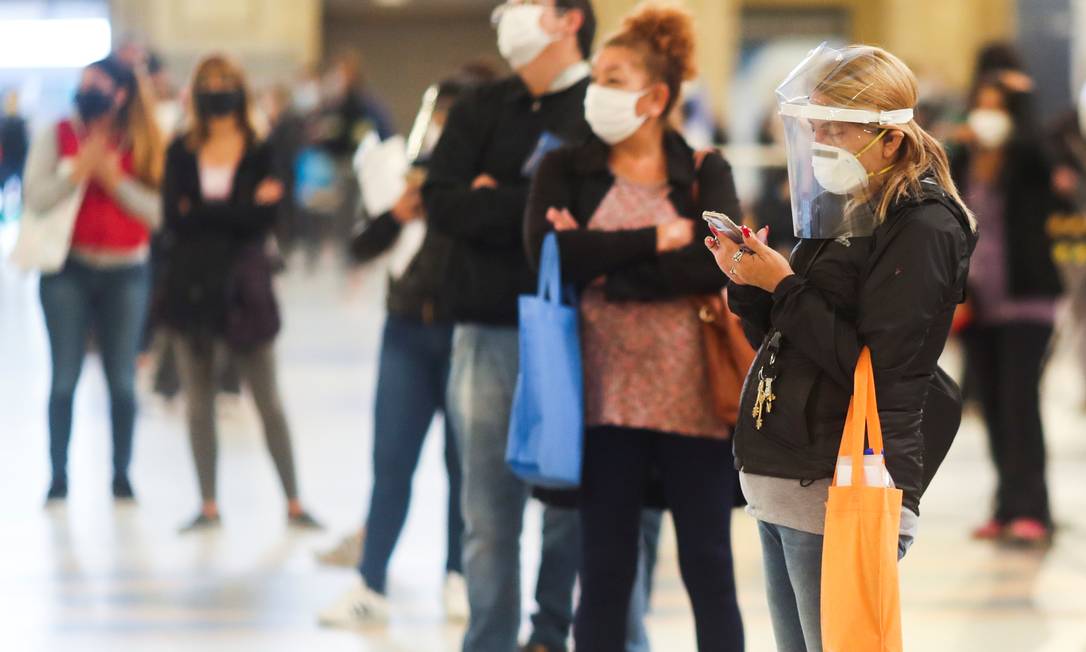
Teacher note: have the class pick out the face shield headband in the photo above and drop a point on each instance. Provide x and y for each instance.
(827, 182)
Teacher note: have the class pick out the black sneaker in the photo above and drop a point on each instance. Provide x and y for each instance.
(202, 522)
(122, 488)
(58, 491)
(304, 521)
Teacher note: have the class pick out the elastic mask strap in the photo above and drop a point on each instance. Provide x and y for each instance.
(882, 132)
(882, 171)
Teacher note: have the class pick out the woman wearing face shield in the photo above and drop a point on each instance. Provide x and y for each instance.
(627, 206)
(220, 203)
(1006, 178)
(111, 151)
(885, 242)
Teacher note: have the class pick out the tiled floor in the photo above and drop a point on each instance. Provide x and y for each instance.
(95, 576)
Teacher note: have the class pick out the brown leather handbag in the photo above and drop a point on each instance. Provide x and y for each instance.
(728, 355)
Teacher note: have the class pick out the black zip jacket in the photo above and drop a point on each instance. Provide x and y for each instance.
(894, 292)
(417, 293)
(578, 179)
(1026, 184)
(203, 239)
(493, 129)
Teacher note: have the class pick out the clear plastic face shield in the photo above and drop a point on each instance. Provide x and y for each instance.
(826, 131)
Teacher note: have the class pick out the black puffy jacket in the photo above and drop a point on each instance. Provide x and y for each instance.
(894, 292)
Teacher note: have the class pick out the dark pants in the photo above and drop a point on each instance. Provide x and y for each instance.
(198, 368)
(112, 302)
(699, 485)
(413, 373)
(1007, 362)
(167, 382)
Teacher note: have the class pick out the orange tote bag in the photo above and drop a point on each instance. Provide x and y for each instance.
(861, 604)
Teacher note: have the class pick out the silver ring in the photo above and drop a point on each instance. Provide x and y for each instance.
(738, 256)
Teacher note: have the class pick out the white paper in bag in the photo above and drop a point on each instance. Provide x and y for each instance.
(407, 247)
(381, 168)
(875, 473)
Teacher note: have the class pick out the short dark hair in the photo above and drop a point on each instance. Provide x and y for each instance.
(587, 34)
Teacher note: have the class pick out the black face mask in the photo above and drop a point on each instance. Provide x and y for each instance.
(92, 103)
(218, 103)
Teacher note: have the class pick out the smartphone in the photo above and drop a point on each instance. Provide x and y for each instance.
(723, 225)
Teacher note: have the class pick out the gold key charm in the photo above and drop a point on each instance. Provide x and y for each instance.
(759, 403)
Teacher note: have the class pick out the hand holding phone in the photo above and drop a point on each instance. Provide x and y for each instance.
(722, 225)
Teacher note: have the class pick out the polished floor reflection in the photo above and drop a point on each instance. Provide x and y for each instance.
(93, 575)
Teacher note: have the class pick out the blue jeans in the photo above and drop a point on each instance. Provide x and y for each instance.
(112, 302)
(411, 382)
(481, 383)
(793, 576)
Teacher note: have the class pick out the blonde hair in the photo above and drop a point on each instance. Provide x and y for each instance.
(222, 66)
(148, 144)
(136, 120)
(872, 78)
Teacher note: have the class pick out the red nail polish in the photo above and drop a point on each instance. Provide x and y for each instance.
(746, 232)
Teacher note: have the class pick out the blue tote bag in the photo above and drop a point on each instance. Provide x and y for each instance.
(546, 428)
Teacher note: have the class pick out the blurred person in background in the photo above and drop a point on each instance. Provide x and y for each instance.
(999, 60)
(286, 139)
(629, 230)
(111, 150)
(877, 214)
(169, 110)
(309, 181)
(1006, 178)
(411, 386)
(220, 202)
(475, 194)
(14, 144)
(349, 110)
(1067, 142)
(306, 92)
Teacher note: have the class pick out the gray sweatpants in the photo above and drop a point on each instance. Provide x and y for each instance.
(199, 381)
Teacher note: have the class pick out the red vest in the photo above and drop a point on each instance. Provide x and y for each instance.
(102, 223)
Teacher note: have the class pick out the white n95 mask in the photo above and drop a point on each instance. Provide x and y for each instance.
(521, 37)
(612, 112)
(838, 170)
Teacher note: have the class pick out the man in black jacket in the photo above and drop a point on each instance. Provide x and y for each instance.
(475, 195)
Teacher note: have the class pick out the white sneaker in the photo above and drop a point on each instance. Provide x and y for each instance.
(346, 553)
(358, 607)
(456, 598)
